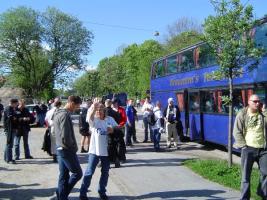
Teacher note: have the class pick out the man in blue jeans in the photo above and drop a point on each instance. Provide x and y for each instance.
(67, 148)
(100, 127)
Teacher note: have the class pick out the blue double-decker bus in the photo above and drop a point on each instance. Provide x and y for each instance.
(184, 76)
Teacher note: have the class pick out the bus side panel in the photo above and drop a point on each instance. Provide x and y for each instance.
(216, 128)
(195, 126)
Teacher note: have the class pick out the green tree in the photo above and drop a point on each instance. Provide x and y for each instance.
(38, 48)
(228, 34)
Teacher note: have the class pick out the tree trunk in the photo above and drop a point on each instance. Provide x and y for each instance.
(230, 123)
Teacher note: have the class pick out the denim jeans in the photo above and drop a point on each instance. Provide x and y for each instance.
(147, 125)
(156, 138)
(92, 163)
(67, 162)
(129, 133)
(9, 146)
(25, 144)
(249, 155)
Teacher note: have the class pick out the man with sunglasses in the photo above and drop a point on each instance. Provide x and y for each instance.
(250, 136)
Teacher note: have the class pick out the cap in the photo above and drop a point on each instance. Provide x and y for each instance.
(170, 100)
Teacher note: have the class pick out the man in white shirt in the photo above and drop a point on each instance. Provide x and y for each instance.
(147, 109)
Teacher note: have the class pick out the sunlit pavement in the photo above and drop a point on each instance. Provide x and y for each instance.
(145, 175)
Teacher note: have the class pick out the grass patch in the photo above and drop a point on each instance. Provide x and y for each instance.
(218, 171)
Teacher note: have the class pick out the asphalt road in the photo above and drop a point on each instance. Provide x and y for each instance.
(146, 174)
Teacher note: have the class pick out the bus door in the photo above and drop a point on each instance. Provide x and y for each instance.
(182, 99)
(195, 118)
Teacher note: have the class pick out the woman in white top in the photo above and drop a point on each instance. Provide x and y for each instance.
(100, 127)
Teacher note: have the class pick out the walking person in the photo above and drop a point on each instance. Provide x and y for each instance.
(250, 136)
(48, 118)
(11, 115)
(147, 109)
(100, 128)
(24, 120)
(158, 127)
(84, 127)
(130, 123)
(172, 116)
(67, 148)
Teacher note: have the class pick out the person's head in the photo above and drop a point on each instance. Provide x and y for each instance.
(21, 103)
(115, 103)
(170, 101)
(254, 103)
(57, 104)
(73, 103)
(100, 111)
(158, 104)
(108, 103)
(147, 100)
(13, 103)
(130, 102)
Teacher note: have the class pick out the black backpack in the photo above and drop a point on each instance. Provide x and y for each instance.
(151, 119)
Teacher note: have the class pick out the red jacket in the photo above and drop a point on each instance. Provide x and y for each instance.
(123, 119)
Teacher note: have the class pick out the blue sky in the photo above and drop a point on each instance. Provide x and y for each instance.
(150, 15)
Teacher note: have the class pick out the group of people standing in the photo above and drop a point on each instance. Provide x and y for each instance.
(167, 120)
(17, 120)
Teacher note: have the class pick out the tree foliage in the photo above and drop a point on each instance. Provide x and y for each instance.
(228, 34)
(37, 48)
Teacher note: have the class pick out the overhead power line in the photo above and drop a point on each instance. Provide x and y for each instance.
(121, 27)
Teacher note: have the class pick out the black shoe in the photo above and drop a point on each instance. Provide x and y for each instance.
(83, 150)
(136, 141)
(29, 157)
(83, 198)
(117, 163)
(54, 159)
(11, 162)
(17, 159)
(145, 141)
(103, 196)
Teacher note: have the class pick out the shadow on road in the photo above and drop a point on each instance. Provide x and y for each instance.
(25, 194)
(170, 195)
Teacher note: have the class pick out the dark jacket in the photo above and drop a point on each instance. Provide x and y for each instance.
(24, 126)
(112, 113)
(65, 137)
(178, 115)
(83, 125)
(10, 121)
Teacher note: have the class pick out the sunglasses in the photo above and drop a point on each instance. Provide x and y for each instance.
(255, 101)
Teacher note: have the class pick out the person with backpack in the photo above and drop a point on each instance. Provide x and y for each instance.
(172, 116)
(157, 123)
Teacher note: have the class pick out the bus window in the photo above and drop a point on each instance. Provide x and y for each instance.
(154, 71)
(238, 101)
(180, 100)
(160, 68)
(187, 60)
(172, 65)
(261, 36)
(206, 57)
(194, 102)
(208, 102)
